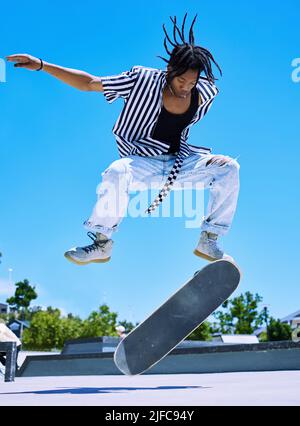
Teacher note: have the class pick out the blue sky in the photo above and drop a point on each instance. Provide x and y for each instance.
(56, 141)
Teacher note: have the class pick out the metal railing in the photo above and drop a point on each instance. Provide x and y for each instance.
(9, 349)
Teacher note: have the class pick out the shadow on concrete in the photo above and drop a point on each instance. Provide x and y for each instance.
(82, 391)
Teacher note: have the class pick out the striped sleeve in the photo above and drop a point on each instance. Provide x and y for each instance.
(208, 93)
(116, 86)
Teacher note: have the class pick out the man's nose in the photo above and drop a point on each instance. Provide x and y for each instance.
(184, 88)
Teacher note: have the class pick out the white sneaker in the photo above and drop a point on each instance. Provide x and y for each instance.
(98, 252)
(208, 249)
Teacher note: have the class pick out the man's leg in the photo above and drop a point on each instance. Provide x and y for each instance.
(122, 176)
(219, 174)
(112, 199)
(132, 173)
(223, 196)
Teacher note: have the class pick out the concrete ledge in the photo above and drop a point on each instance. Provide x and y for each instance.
(90, 345)
(68, 365)
(109, 344)
(273, 356)
(248, 347)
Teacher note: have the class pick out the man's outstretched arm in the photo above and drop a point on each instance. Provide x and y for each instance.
(79, 79)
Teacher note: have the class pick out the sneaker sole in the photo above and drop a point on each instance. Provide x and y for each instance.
(204, 256)
(77, 262)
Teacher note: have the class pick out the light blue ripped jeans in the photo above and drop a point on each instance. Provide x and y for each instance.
(136, 173)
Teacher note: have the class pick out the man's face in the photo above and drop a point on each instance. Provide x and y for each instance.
(183, 84)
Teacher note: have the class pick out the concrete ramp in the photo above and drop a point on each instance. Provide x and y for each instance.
(272, 356)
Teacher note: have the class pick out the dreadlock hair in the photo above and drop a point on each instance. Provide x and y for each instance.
(185, 55)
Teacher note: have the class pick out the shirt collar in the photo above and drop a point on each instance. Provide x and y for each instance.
(205, 90)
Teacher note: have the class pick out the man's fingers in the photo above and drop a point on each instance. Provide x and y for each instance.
(17, 58)
(22, 60)
(21, 64)
(13, 57)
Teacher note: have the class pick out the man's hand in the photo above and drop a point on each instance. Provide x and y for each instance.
(221, 160)
(79, 79)
(25, 61)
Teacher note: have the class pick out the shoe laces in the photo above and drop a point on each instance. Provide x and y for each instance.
(96, 244)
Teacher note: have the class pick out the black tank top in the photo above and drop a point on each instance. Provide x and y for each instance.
(169, 126)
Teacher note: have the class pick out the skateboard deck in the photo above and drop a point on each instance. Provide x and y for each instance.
(177, 318)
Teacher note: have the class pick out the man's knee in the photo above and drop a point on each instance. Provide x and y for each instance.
(233, 174)
(233, 165)
(230, 172)
(117, 168)
(115, 178)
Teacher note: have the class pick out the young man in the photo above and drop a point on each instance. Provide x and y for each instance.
(151, 132)
(121, 331)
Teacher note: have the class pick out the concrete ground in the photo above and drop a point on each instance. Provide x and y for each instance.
(227, 389)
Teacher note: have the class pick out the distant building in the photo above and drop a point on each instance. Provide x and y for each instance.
(3, 308)
(235, 338)
(18, 327)
(293, 320)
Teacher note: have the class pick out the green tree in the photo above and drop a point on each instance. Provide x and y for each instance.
(24, 294)
(44, 332)
(263, 337)
(8, 317)
(203, 332)
(100, 323)
(240, 315)
(71, 328)
(49, 330)
(277, 331)
(224, 319)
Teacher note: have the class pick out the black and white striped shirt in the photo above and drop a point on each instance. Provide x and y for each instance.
(142, 91)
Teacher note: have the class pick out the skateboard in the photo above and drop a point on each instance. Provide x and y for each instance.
(177, 318)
